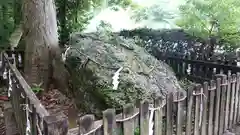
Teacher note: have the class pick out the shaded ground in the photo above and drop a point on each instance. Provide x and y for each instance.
(56, 103)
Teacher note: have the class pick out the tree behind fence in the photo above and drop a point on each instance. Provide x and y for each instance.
(208, 109)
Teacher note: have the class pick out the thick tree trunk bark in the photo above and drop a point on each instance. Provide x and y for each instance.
(41, 39)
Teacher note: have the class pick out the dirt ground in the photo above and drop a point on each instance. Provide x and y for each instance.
(56, 103)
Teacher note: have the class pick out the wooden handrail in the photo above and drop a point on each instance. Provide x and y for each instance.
(42, 112)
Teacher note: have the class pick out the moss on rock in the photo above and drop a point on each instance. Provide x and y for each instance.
(93, 62)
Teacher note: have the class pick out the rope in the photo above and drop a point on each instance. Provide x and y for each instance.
(151, 109)
(181, 99)
(38, 127)
(128, 118)
(39, 130)
(9, 83)
(94, 61)
(22, 96)
(25, 107)
(28, 125)
(5, 73)
(225, 84)
(150, 126)
(92, 131)
(125, 119)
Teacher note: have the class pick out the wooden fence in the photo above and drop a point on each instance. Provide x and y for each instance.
(30, 114)
(208, 109)
(199, 70)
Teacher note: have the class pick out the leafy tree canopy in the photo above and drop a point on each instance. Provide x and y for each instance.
(212, 18)
(6, 20)
(75, 15)
(72, 15)
(153, 13)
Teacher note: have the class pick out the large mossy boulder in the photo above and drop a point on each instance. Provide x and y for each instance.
(93, 61)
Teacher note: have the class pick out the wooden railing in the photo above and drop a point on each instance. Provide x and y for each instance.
(30, 114)
(208, 109)
(199, 70)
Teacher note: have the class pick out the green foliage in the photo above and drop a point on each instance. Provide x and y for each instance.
(122, 3)
(74, 16)
(6, 21)
(137, 131)
(104, 30)
(154, 13)
(94, 95)
(212, 18)
(37, 88)
(185, 83)
(83, 87)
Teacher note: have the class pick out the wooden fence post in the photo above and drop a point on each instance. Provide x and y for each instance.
(128, 126)
(197, 109)
(227, 109)
(180, 114)
(223, 103)
(189, 111)
(2, 64)
(235, 120)
(109, 122)
(144, 118)
(217, 105)
(169, 125)
(86, 124)
(234, 98)
(233, 84)
(238, 81)
(33, 119)
(55, 125)
(205, 108)
(16, 101)
(211, 106)
(158, 122)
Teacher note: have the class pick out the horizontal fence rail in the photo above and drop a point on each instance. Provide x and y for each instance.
(30, 115)
(199, 70)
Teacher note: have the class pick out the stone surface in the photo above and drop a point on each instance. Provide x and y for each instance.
(105, 54)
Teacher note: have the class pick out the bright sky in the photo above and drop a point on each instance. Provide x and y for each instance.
(121, 19)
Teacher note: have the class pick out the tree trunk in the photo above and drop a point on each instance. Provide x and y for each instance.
(42, 53)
